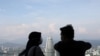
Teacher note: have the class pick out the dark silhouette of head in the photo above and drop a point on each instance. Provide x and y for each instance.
(35, 37)
(68, 46)
(34, 34)
(67, 32)
(34, 40)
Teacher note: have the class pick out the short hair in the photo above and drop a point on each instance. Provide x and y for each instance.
(67, 31)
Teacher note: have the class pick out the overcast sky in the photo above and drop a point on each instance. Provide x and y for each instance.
(19, 17)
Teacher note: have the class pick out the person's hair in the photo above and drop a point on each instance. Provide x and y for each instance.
(35, 37)
(34, 40)
(67, 31)
(34, 34)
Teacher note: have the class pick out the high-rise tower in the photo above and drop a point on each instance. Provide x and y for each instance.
(49, 50)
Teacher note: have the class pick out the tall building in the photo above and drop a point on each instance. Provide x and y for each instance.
(49, 50)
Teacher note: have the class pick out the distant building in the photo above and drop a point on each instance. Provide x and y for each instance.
(49, 50)
(87, 55)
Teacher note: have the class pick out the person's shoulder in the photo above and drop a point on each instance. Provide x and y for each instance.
(85, 44)
(82, 42)
(35, 50)
(33, 47)
(58, 43)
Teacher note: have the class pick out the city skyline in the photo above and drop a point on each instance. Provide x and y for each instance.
(19, 17)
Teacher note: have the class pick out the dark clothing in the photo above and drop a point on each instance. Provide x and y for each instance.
(34, 40)
(29, 45)
(72, 48)
(35, 51)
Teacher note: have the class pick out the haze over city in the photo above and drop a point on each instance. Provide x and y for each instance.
(19, 17)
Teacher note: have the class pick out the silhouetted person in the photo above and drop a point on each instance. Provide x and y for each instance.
(68, 46)
(34, 40)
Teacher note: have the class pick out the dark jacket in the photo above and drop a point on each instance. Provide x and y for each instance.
(72, 48)
(35, 51)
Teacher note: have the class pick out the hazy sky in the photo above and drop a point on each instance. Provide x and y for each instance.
(19, 17)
